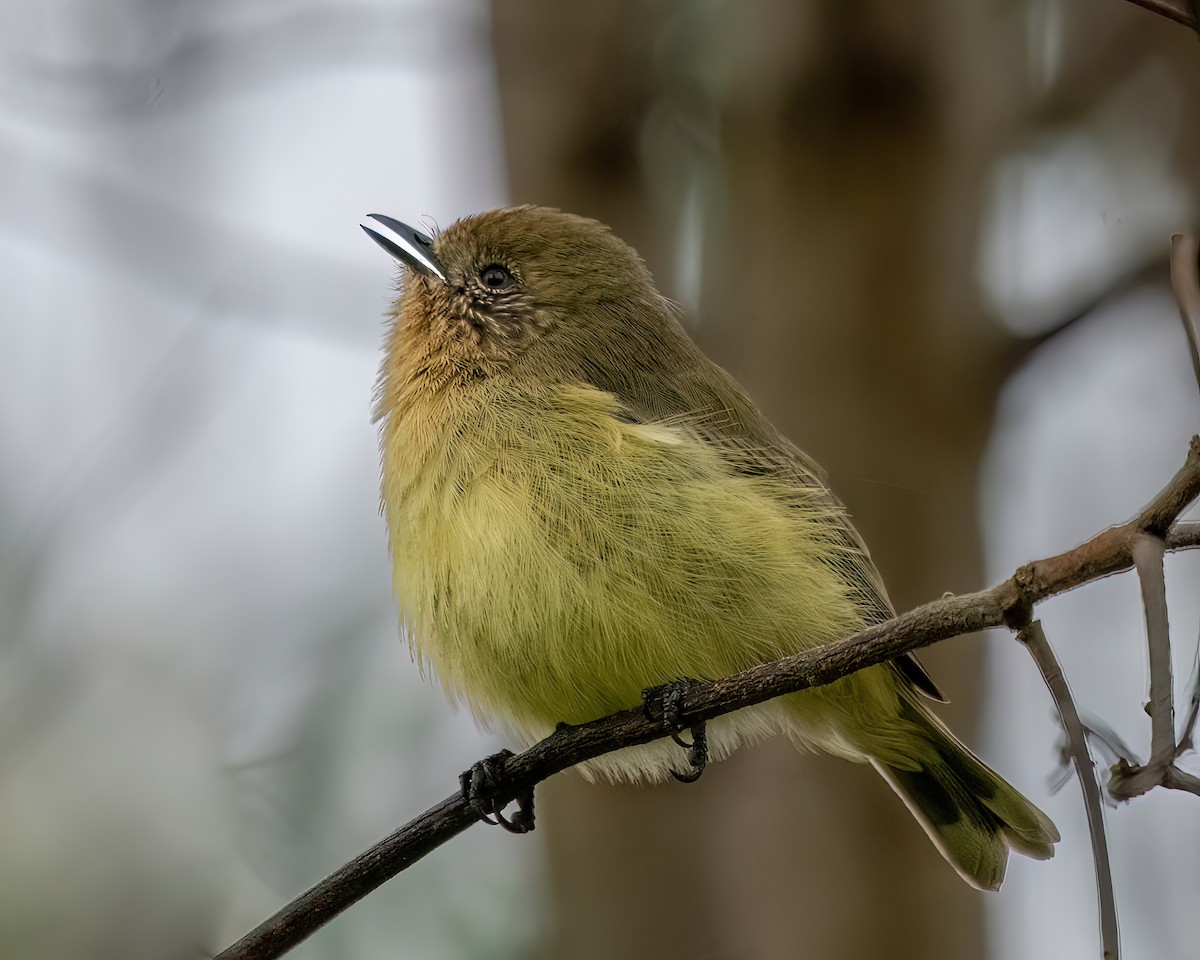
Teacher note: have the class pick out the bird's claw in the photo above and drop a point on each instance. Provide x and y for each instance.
(664, 705)
(482, 788)
(697, 754)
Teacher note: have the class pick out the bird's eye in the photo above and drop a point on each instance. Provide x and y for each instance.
(495, 277)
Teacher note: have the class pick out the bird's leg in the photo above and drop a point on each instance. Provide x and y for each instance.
(482, 786)
(665, 705)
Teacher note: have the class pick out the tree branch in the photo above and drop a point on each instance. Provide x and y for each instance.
(1008, 603)
(1148, 554)
(1129, 778)
(1178, 10)
(1185, 282)
(1035, 641)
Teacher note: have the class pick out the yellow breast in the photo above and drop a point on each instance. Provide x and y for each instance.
(552, 560)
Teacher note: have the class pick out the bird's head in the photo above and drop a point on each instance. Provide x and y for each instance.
(515, 284)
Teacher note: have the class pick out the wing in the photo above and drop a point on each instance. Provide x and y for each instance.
(678, 384)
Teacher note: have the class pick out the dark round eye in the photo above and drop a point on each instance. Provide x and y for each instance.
(495, 276)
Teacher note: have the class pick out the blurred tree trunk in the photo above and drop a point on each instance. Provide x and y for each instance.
(806, 176)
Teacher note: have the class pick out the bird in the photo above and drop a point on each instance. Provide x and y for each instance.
(582, 506)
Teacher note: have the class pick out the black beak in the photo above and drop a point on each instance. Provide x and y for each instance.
(411, 247)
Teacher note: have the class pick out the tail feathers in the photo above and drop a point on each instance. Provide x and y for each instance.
(972, 815)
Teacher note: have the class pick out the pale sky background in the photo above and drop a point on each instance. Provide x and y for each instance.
(204, 705)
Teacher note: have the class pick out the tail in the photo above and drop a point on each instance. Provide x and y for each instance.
(971, 813)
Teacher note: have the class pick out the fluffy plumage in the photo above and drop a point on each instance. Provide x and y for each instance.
(581, 505)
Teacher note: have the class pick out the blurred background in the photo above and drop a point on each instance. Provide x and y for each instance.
(930, 238)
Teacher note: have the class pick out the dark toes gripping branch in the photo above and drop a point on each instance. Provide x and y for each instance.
(483, 787)
(665, 705)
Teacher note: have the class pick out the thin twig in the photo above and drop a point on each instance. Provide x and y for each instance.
(1007, 603)
(1185, 535)
(1178, 11)
(1188, 730)
(1036, 643)
(1130, 779)
(1185, 282)
(1177, 779)
(1148, 553)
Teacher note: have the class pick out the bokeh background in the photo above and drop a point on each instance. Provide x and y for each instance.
(930, 237)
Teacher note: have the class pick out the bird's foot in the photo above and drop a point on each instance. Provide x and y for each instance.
(665, 705)
(483, 788)
(697, 754)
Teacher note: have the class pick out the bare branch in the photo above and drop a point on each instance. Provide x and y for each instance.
(1185, 282)
(1036, 643)
(1185, 535)
(1178, 10)
(1148, 558)
(1008, 603)
(1177, 779)
(1129, 778)
(1188, 730)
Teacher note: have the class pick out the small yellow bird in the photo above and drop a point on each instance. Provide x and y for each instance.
(581, 505)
